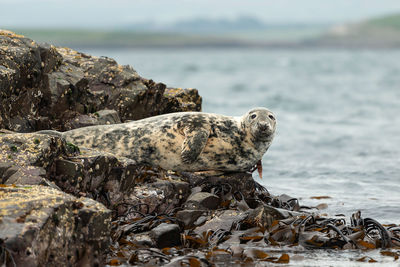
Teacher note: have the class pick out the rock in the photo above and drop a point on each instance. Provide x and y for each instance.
(202, 200)
(166, 235)
(80, 121)
(158, 195)
(263, 216)
(175, 191)
(232, 182)
(221, 220)
(112, 180)
(189, 217)
(107, 116)
(47, 87)
(39, 159)
(143, 239)
(182, 99)
(88, 174)
(27, 158)
(97, 118)
(41, 226)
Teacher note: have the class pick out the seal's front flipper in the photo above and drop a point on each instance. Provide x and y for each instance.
(194, 143)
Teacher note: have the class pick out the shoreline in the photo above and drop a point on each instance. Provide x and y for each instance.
(83, 206)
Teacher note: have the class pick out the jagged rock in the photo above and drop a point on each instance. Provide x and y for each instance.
(221, 220)
(158, 195)
(234, 182)
(41, 226)
(81, 121)
(202, 200)
(28, 158)
(264, 216)
(182, 99)
(143, 239)
(166, 235)
(107, 116)
(87, 173)
(189, 217)
(112, 180)
(42, 87)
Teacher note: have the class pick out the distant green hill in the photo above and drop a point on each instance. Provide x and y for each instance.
(83, 38)
(380, 32)
(98, 39)
(390, 21)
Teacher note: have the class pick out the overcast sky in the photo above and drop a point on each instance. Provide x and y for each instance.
(115, 13)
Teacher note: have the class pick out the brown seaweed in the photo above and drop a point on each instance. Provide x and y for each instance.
(264, 223)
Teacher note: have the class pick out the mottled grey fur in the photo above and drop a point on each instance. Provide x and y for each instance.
(185, 141)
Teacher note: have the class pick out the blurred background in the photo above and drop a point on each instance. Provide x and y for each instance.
(330, 70)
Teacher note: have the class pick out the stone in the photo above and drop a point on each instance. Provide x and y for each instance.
(143, 239)
(42, 226)
(263, 216)
(166, 235)
(223, 220)
(81, 120)
(188, 217)
(157, 195)
(28, 158)
(107, 116)
(42, 87)
(202, 200)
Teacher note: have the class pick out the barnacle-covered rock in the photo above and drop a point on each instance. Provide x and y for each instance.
(47, 87)
(41, 226)
(28, 158)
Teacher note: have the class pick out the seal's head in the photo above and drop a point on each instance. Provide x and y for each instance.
(261, 124)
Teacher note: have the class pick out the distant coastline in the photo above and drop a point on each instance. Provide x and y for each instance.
(377, 33)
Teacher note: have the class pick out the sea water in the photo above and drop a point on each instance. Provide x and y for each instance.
(338, 113)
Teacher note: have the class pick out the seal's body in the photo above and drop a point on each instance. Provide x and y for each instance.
(185, 141)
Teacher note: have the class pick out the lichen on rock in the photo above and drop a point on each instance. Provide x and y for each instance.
(42, 226)
(47, 87)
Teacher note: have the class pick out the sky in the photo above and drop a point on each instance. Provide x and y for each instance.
(118, 13)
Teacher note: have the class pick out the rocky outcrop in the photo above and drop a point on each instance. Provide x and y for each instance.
(47, 87)
(66, 205)
(28, 158)
(41, 226)
(213, 219)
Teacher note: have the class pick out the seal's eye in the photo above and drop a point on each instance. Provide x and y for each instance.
(271, 117)
(253, 116)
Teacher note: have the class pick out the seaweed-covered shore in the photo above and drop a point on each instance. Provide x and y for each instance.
(60, 204)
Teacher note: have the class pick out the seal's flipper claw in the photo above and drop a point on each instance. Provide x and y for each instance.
(253, 169)
(194, 143)
(259, 168)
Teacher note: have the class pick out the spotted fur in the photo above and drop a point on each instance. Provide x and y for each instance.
(185, 141)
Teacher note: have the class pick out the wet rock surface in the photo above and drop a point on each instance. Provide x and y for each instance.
(41, 226)
(202, 200)
(166, 235)
(29, 158)
(47, 87)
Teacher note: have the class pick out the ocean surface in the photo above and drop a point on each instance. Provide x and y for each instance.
(338, 113)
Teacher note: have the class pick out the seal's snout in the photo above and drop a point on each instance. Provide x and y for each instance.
(263, 126)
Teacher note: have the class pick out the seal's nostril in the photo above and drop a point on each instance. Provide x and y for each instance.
(263, 126)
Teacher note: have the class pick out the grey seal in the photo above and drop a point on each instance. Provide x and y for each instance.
(185, 141)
